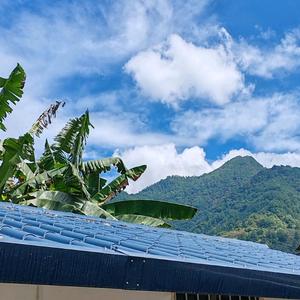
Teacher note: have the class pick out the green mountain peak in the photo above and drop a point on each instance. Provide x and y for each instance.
(241, 199)
(243, 162)
(238, 168)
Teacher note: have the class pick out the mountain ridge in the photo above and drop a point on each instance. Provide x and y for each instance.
(241, 199)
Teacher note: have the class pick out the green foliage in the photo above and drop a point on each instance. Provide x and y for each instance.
(110, 190)
(12, 91)
(60, 179)
(79, 188)
(151, 208)
(241, 200)
(14, 150)
(103, 165)
(72, 138)
(51, 200)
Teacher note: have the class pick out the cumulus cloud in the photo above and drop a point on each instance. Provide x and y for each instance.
(165, 160)
(270, 123)
(178, 70)
(162, 161)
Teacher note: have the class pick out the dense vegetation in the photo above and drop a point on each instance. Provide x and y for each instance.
(241, 200)
(60, 179)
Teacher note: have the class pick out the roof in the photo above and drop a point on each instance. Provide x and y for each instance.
(39, 239)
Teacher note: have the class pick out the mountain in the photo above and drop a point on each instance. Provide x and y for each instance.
(241, 199)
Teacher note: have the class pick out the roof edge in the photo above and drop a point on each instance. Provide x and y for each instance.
(67, 267)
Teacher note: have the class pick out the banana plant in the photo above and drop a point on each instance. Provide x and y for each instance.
(11, 92)
(61, 180)
(12, 149)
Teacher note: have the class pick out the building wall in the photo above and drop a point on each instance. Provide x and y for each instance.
(34, 292)
(46, 292)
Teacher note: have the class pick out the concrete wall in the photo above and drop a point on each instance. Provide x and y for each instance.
(34, 292)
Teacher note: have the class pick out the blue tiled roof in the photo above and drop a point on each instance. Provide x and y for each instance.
(33, 226)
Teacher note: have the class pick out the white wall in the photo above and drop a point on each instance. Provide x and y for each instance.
(33, 292)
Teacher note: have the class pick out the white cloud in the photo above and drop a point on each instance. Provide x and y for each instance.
(213, 70)
(165, 160)
(70, 39)
(270, 61)
(122, 130)
(270, 123)
(162, 161)
(55, 42)
(112, 129)
(178, 70)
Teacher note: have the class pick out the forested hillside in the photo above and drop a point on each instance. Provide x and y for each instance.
(241, 199)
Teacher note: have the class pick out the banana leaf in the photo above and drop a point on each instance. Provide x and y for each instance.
(52, 158)
(118, 184)
(54, 200)
(70, 181)
(151, 208)
(111, 189)
(138, 219)
(94, 183)
(72, 138)
(92, 209)
(103, 165)
(135, 173)
(14, 151)
(25, 170)
(12, 91)
(36, 182)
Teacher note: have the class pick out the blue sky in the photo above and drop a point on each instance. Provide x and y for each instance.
(180, 85)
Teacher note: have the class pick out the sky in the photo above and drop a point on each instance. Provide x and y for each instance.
(182, 86)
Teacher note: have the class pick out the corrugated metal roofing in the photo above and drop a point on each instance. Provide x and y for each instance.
(33, 226)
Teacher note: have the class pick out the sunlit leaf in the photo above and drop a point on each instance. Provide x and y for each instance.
(136, 172)
(92, 209)
(103, 165)
(72, 138)
(151, 208)
(111, 189)
(12, 91)
(14, 151)
(52, 200)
